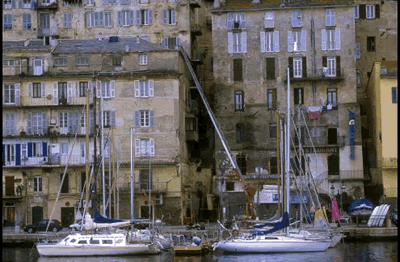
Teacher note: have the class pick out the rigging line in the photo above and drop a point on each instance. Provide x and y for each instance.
(65, 171)
(87, 188)
(300, 193)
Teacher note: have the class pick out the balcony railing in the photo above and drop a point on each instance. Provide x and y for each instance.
(15, 192)
(49, 100)
(69, 131)
(323, 141)
(46, 4)
(55, 159)
(346, 175)
(194, 3)
(195, 29)
(389, 163)
(319, 76)
(143, 187)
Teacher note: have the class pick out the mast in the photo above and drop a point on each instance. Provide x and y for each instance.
(132, 179)
(102, 153)
(287, 150)
(109, 172)
(87, 148)
(278, 152)
(113, 173)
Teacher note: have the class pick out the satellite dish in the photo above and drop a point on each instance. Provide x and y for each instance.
(49, 97)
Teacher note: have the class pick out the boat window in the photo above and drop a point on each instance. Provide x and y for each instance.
(94, 241)
(82, 242)
(72, 240)
(118, 241)
(66, 239)
(107, 241)
(271, 238)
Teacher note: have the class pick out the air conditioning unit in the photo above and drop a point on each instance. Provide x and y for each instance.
(324, 71)
(159, 199)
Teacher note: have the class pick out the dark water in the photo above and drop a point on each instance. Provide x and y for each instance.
(357, 252)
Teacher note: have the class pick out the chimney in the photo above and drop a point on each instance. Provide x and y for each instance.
(126, 48)
(100, 36)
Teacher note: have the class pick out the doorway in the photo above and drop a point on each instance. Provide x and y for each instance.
(67, 216)
(37, 214)
(332, 136)
(9, 185)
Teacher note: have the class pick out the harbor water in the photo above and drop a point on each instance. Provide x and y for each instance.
(384, 251)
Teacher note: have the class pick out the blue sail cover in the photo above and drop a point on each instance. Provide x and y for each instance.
(361, 203)
(275, 226)
(99, 218)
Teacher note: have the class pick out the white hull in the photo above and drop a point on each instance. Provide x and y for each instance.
(272, 245)
(65, 251)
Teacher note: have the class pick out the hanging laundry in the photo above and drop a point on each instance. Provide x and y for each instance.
(314, 112)
(329, 107)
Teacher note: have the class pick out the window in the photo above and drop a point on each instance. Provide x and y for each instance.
(7, 4)
(270, 67)
(144, 17)
(44, 20)
(296, 18)
(330, 17)
(297, 41)
(332, 96)
(237, 70)
(67, 20)
(356, 11)
(108, 19)
(95, 19)
(26, 4)
(37, 67)
(83, 86)
(60, 62)
(37, 90)
(273, 164)
(37, 123)
(106, 89)
(394, 95)
(144, 118)
(359, 77)
(144, 88)
(330, 43)
(331, 65)
(271, 99)
(83, 147)
(82, 61)
(230, 186)
(9, 94)
(36, 149)
(269, 41)
(26, 21)
(236, 20)
(237, 42)
(107, 241)
(190, 124)
(11, 62)
(297, 67)
(62, 119)
(109, 118)
(94, 241)
(269, 20)
(37, 184)
(242, 163)
(7, 21)
(239, 101)
(10, 124)
(125, 18)
(117, 61)
(64, 148)
(24, 152)
(298, 96)
(144, 147)
(83, 242)
(143, 59)
(239, 132)
(332, 136)
(357, 51)
(65, 184)
(370, 11)
(91, 2)
(371, 43)
(172, 42)
(272, 130)
(169, 17)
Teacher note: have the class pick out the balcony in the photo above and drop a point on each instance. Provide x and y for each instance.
(197, 59)
(54, 159)
(195, 30)
(389, 163)
(13, 193)
(323, 141)
(47, 5)
(194, 3)
(49, 100)
(320, 76)
(69, 131)
(346, 175)
(143, 187)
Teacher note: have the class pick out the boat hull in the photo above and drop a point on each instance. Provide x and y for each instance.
(272, 246)
(188, 251)
(62, 250)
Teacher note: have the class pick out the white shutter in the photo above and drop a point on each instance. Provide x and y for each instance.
(289, 41)
(138, 17)
(137, 147)
(243, 39)
(17, 93)
(230, 42)
(119, 13)
(178, 41)
(242, 18)
(112, 88)
(130, 19)
(165, 16)
(337, 38)
(77, 89)
(276, 41)
(43, 89)
(55, 93)
(98, 89)
(92, 87)
(69, 92)
(262, 41)
(173, 17)
(303, 40)
(152, 149)
(229, 20)
(30, 92)
(323, 39)
(150, 16)
(136, 87)
(151, 88)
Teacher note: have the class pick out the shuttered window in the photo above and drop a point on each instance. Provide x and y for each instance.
(7, 21)
(237, 42)
(144, 17)
(296, 18)
(95, 19)
(144, 88)
(297, 41)
(144, 147)
(169, 17)
(26, 21)
(239, 100)
(330, 17)
(125, 18)
(10, 124)
(236, 20)
(356, 11)
(271, 99)
(67, 20)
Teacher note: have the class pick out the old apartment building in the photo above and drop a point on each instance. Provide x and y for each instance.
(143, 86)
(253, 44)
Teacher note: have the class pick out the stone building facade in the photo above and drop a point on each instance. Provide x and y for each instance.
(253, 44)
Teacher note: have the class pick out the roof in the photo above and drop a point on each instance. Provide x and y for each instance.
(32, 44)
(248, 4)
(100, 46)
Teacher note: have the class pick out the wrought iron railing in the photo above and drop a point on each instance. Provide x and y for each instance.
(143, 187)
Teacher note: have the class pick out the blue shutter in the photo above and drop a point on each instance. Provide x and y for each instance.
(17, 154)
(44, 146)
(29, 149)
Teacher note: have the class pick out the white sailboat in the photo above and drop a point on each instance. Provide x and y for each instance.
(263, 241)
